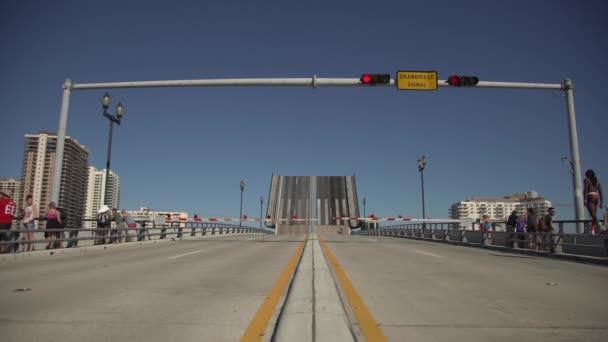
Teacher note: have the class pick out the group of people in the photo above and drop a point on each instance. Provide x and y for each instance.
(124, 225)
(55, 219)
(539, 231)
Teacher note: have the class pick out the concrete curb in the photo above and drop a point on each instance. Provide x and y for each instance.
(560, 256)
(85, 249)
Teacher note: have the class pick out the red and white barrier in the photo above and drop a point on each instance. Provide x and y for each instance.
(409, 219)
(232, 219)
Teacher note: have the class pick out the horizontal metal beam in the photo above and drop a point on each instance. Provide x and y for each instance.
(293, 82)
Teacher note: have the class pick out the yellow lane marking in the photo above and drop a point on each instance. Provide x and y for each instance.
(257, 326)
(367, 323)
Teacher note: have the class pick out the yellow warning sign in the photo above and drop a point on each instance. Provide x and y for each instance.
(417, 80)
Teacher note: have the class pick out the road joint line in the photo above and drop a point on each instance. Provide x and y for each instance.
(185, 254)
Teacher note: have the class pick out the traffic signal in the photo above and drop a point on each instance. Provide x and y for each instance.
(373, 79)
(462, 81)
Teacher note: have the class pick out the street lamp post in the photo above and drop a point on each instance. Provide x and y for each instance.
(261, 205)
(421, 166)
(105, 103)
(364, 202)
(242, 184)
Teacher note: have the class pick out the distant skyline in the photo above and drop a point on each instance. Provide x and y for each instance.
(188, 148)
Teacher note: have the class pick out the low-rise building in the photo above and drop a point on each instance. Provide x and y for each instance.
(158, 216)
(499, 208)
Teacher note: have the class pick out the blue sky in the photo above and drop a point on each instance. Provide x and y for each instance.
(188, 148)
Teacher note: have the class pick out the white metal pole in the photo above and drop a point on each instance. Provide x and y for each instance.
(294, 82)
(63, 120)
(576, 164)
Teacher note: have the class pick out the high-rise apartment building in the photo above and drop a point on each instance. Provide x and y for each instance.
(499, 209)
(14, 185)
(37, 174)
(96, 193)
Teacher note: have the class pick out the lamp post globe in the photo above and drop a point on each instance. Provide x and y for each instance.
(105, 100)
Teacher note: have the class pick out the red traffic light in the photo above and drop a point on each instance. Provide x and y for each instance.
(373, 79)
(462, 81)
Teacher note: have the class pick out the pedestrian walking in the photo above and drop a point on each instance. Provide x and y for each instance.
(549, 230)
(131, 225)
(593, 198)
(30, 213)
(53, 223)
(8, 209)
(520, 230)
(121, 226)
(532, 228)
(511, 223)
(143, 231)
(487, 228)
(104, 223)
(606, 218)
(73, 230)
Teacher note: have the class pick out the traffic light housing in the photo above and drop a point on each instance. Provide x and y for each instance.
(462, 81)
(373, 79)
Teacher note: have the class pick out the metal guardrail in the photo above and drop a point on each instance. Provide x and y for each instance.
(113, 235)
(557, 242)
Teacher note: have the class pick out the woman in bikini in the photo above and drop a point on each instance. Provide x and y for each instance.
(593, 196)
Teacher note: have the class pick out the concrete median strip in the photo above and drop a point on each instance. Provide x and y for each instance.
(313, 310)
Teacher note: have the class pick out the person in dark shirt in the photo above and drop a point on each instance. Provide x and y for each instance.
(549, 230)
(532, 228)
(511, 223)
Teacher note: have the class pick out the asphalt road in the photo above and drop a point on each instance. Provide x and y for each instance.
(209, 289)
(424, 291)
(196, 290)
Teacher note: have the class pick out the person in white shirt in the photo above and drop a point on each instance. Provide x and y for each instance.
(30, 213)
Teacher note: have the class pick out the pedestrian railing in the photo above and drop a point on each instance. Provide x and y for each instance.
(70, 237)
(550, 242)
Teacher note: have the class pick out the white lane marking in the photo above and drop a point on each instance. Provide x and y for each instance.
(251, 239)
(430, 254)
(182, 255)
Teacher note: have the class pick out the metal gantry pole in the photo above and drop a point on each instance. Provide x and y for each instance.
(576, 164)
(63, 121)
(312, 82)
